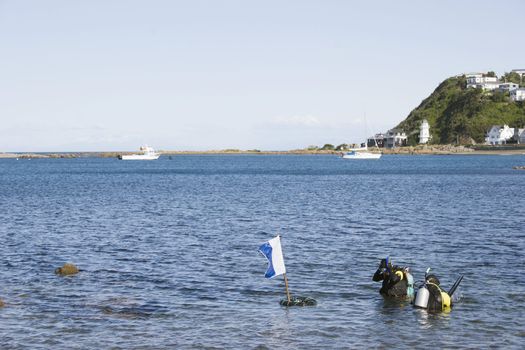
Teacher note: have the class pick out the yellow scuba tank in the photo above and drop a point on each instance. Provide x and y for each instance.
(445, 300)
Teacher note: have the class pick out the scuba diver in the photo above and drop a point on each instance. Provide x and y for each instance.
(432, 297)
(397, 281)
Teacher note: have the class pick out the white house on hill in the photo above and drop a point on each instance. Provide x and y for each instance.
(508, 87)
(498, 135)
(376, 140)
(424, 132)
(479, 80)
(395, 138)
(517, 94)
(519, 135)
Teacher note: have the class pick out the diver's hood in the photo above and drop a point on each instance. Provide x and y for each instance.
(432, 279)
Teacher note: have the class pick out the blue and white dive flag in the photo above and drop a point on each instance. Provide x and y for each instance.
(272, 251)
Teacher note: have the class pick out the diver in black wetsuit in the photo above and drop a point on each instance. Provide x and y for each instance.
(436, 299)
(397, 281)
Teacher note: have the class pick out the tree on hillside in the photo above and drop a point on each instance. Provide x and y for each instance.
(432, 109)
(499, 96)
(511, 77)
(327, 147)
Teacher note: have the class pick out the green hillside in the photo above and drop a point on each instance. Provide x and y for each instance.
(460, 115)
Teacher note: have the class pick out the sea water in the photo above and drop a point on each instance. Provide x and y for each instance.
(168, 251)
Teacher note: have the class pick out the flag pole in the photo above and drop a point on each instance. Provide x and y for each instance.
(286, 286)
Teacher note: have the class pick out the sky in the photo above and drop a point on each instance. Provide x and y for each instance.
(224, 74)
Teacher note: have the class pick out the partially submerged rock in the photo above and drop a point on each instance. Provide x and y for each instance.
(2, 303)
(67, 269)
(298, 301)
(519, 167)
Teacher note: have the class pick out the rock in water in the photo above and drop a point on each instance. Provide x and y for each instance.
(298, 301)
(2, 303)
(67, 269)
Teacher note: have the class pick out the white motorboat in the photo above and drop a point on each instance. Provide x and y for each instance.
(148, 153)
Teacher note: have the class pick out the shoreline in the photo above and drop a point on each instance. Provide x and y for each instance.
(428, 150)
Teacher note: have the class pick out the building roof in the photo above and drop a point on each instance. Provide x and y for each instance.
(495, 127)
(394, 132)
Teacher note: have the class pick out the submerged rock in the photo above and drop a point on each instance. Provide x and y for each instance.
(67, 269)
(132, 309)
(298, 301)
(2, 303)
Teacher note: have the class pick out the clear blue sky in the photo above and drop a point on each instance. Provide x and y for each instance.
(197, 75)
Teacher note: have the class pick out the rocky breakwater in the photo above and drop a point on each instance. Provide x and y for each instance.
(37, 155)
(23, 155)
(428, 149)
(62, 155)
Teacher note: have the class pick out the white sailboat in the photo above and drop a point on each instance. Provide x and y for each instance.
(362, 152)
(148, 153)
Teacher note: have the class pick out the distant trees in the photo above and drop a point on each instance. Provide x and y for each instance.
(328, 147)
(511, 77)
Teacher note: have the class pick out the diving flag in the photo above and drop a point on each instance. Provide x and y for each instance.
(272, 251)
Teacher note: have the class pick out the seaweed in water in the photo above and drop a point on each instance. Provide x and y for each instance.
(298, 301)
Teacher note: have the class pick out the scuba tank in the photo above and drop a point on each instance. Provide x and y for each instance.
(410, 285)
(423, 294)
(422, 297)
(446, 302)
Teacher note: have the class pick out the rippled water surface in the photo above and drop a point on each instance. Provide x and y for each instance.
(168, 251)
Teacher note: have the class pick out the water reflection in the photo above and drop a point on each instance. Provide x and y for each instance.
(427, 320)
